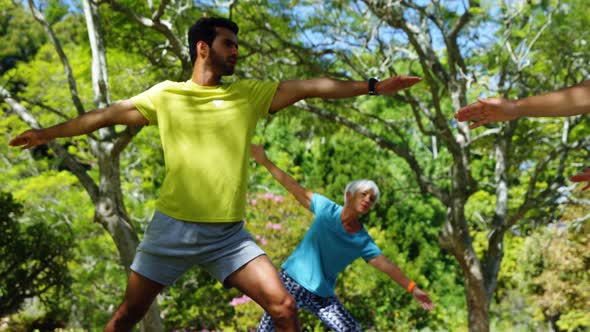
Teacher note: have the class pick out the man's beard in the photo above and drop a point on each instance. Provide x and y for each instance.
(220, 64)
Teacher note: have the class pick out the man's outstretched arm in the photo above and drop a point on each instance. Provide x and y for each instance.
(569, 101)
(120, 113)
(290, 92)
(302, 195)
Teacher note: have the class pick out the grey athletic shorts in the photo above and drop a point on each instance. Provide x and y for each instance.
(170, 247)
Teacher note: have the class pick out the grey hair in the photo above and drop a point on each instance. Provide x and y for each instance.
(356, 185)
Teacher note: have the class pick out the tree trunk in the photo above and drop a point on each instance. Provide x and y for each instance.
(475, 292)
(477, 305)
(495, 253)
(455, 237)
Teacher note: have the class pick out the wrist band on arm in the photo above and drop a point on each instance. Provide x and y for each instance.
(411, 286)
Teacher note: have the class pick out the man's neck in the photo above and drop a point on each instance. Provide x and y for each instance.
(205, 77)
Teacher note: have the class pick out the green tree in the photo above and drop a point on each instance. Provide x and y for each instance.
(547, 277)
(19, 37)
(34, 258)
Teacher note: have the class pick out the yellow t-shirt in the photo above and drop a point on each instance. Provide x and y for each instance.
(206, 133)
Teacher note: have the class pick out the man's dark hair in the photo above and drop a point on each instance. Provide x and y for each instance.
(204, 29)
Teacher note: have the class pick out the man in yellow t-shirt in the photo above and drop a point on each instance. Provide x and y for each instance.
(205, 127)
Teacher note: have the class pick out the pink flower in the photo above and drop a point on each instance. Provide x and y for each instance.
(274, 226)
(253, 201)
(278, 198)
(268, 195)
(240, 300)
(261, 239)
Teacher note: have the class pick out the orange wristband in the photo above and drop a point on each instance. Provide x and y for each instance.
(411, 286)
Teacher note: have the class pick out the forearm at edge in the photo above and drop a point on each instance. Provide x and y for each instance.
(570, 101)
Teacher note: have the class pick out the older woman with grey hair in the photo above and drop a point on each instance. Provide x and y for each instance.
(335, 239)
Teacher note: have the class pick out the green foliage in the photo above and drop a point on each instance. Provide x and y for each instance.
(545, 276)
(55, 10)
(20, 36)
(34, 259)
(561, 288)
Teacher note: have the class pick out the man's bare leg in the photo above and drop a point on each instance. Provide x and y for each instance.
(139, 295)
(260, 281)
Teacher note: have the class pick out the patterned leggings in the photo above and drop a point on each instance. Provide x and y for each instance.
(329, 309)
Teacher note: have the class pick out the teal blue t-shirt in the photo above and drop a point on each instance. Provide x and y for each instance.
(327, 248)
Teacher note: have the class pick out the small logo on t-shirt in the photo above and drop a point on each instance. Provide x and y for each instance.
(218, 103)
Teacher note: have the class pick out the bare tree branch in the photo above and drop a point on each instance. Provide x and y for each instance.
(162, 26)
(43, 106)
(62, 56)
(530, 199)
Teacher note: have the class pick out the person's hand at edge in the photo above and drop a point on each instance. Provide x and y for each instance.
(488, 110)
(29, 139)
(584, 176)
